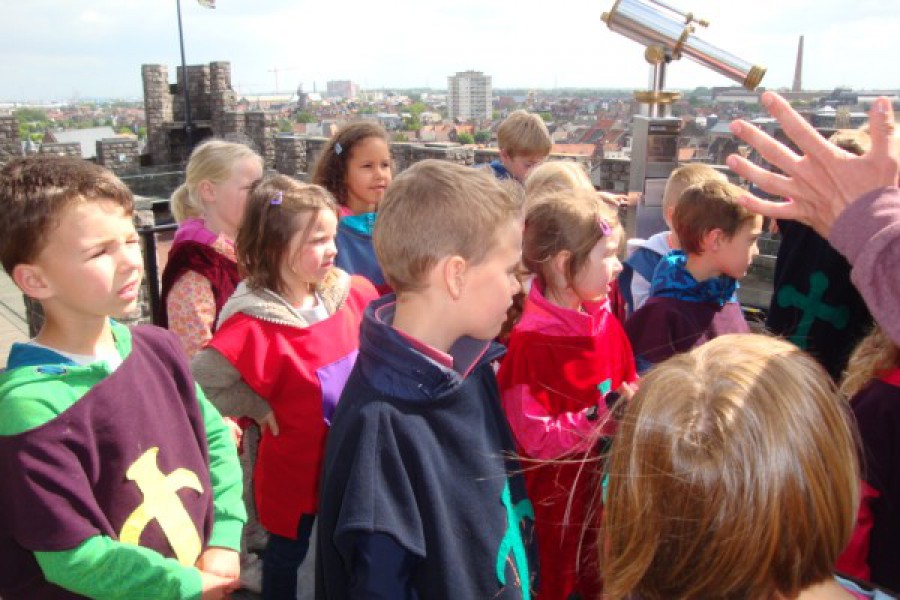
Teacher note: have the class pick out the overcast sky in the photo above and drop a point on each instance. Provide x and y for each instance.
(58, 49)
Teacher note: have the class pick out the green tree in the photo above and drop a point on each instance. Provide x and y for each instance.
(305, 117)
(412, 123)
(400, 137)
(31, 115)
(546, 116)
(285, 126)
(482, 137)
(125, 131)
(465, 138)
(417, 108)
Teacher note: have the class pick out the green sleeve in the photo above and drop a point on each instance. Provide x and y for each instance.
(227, 479)
(101, 567)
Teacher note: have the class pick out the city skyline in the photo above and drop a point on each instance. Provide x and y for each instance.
(58, 51)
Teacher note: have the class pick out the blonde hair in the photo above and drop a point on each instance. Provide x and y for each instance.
(276, 208)
(707, 206)
(734, 474)
(874, 356)
(684, 177)
(555, 176)
(524, 134)
(213, 161)
(436, 209)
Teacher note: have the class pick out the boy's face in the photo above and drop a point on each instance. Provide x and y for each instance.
(735, 254)
(520, 166)
(91, 266)
(490, 285)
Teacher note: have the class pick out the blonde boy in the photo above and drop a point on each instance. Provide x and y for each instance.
(119, 479)
(692, 294)
(421, 498)
(644, 255)
(524, 142)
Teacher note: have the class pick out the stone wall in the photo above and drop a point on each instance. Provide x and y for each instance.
(119, 155)
(261, 127)
(10, 146)
(612, 174)
(62, 149)
(290, 155)
(157, 111)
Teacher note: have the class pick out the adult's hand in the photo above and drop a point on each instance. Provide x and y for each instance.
(825, 179)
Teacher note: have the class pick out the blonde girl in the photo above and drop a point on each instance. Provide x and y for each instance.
(872, 382)
(355, 167)
(733, 475)
(285, 345)
(201, 271)
(568, 359)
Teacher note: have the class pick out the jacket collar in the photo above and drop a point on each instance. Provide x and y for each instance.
(672, 280)
(542, 315)
(395, 368)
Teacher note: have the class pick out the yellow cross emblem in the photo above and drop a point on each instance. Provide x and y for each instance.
(161, 502)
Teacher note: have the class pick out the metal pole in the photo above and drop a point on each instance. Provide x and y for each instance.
(188, 125)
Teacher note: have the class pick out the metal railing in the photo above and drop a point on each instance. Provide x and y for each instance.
(151, 266)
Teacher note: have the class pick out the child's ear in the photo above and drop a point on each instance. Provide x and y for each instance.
(207, 191)
(32, 282)
(504, 156)
(454, 274)
(712, 240)
(560, 264)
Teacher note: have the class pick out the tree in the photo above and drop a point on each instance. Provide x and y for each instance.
(482, 137)
(31, 115)
(400, 137)
(285, 126)
(412, 123)
(465, 138)
(546, 116)
(304, 117)
(417, 108)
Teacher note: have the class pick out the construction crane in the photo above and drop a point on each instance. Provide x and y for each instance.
(276, 71)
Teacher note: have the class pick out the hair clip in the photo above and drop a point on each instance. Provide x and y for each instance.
(278, 199)
(605, 228)
(338, 148)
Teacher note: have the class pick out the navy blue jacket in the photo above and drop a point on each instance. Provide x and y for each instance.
(421, 496)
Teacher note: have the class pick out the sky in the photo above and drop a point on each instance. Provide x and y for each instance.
(63, 49)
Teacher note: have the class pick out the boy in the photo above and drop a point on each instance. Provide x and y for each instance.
(524, 142)
(637, 269)
(421, 496)
(815, 304)
(119, 479)
(692, 294)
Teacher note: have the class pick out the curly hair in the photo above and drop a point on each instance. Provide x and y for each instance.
(331, 168)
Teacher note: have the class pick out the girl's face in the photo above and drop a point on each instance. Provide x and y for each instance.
(598, 272)
(225, 201)
(368, 174)
(310, 254)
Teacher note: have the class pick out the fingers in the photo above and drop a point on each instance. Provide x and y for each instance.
(774, 183)
(881, 128)
(797, 128)
(775, 210)
(772, 150)
(272, 424)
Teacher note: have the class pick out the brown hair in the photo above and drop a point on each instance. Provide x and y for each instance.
(707, 206)
(34, 193)
(733, 475)
(524, 134)
(275, 209)
(874, 356)
(436, 209)
(685, 176)
(331, 168)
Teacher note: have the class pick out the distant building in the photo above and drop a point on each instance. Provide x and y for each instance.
(469, 96)
(86, 138)
(345, 89)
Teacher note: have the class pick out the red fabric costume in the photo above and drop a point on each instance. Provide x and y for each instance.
(560, 363)
(300, 372)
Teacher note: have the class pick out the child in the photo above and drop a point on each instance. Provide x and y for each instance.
(119, 479)
(644, 255)
(286, 341)
(201, 272)
(421, 496)
(355, 167)
(568, 356)
(814, 303)
(733, 475)
(692, 296)
(872, 382)
(524, 142)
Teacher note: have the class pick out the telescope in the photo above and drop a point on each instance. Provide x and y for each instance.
(668, 34)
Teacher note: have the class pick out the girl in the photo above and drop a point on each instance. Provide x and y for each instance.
(287, 340)
(201, 272)
(355, 167)
(733, 475)
(568, 359)
(873, 382)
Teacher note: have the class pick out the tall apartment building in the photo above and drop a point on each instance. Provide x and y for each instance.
(345, 89)
(469, 95)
